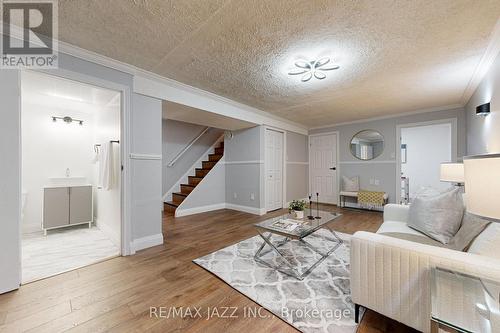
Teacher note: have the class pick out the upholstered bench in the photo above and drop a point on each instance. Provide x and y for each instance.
(344, 194)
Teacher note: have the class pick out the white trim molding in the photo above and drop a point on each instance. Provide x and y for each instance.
(246, 209)
(369, 162)
(146, 242)
(244, 162)
(297, 163)
(136, 156)
(484, 65)
(197, 210)
(403, 114)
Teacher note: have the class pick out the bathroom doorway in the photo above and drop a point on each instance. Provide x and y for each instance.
(71, 175)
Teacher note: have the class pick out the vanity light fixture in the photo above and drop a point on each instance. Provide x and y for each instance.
(483, 110)
(315, 68)
(67, 120)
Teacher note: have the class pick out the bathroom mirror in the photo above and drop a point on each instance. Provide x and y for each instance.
(367, 145)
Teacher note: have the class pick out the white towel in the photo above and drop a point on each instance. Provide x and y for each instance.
(105, 180)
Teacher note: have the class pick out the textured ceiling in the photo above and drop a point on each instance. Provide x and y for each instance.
(394, 56)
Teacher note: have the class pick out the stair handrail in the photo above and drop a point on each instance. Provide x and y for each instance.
(192, 142)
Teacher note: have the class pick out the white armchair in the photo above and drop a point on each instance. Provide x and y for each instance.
(392, 276)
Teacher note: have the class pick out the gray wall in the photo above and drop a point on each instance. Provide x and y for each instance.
(146, 174)
(10, 169)
(246, 176)
(175, 136)
(297, 168)
(483, 133)
(243, 154)
(383, 168)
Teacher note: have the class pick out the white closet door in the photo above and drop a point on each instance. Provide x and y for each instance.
(274, 169)
(323, 164)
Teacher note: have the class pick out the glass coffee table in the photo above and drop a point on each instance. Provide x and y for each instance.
(463, 302)
(291, 228)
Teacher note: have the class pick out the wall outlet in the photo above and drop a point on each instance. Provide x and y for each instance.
(235, 195)
(252, 196)
(377, 182)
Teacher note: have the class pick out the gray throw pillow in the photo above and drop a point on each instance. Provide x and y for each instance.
(471, 227)
(438, 217)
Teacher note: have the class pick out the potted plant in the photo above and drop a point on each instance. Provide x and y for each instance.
(298, 206)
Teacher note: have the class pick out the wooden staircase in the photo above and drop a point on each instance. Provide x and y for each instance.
(193, 181)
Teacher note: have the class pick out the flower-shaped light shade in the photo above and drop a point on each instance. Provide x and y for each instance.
(315, 68)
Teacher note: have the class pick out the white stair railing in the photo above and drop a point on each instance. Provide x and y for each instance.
(192, 142)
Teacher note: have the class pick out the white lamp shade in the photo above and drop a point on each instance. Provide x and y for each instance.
(482, 184)
(452, 172)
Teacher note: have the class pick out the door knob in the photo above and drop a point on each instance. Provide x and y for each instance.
(333, 168)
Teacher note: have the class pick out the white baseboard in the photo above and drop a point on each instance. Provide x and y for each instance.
(31, 228)
(197, 210)
(146, 242)
(246, 209)
(209, 208)
(113, 236)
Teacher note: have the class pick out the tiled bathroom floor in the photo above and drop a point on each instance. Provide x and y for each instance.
(63, 250)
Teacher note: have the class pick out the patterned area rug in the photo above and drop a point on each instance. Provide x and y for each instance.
(319, 303)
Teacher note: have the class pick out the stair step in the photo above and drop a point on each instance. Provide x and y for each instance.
(219, 151)
(192, 180)
(214, 157)
(208, 164)
(170, 207)
(178, 197)
(201, 172)
(186, 188)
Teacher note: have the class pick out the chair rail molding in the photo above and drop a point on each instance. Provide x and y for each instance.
(139, 156)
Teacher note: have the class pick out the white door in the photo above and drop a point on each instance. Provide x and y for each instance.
(323, 164)
(274, 170)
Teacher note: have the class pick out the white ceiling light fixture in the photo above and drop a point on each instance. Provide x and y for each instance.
(315, 68)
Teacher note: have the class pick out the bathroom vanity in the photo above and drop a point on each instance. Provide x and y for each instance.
(67, 205)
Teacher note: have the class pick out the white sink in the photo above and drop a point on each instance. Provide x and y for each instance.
(67, 181)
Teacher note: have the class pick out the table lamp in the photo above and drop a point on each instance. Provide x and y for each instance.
(482, 182)
(453, 173)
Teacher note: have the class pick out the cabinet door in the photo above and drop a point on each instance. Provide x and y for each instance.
(55, 207)
(80, 204)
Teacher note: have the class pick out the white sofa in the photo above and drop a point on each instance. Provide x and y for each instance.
(391, 276)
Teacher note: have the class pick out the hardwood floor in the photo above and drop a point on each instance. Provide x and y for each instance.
(116, 295)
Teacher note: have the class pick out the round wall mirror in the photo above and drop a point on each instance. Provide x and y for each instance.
(367, 145)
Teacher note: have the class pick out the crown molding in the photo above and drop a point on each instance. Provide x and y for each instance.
(484, 65)
(404, 114)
